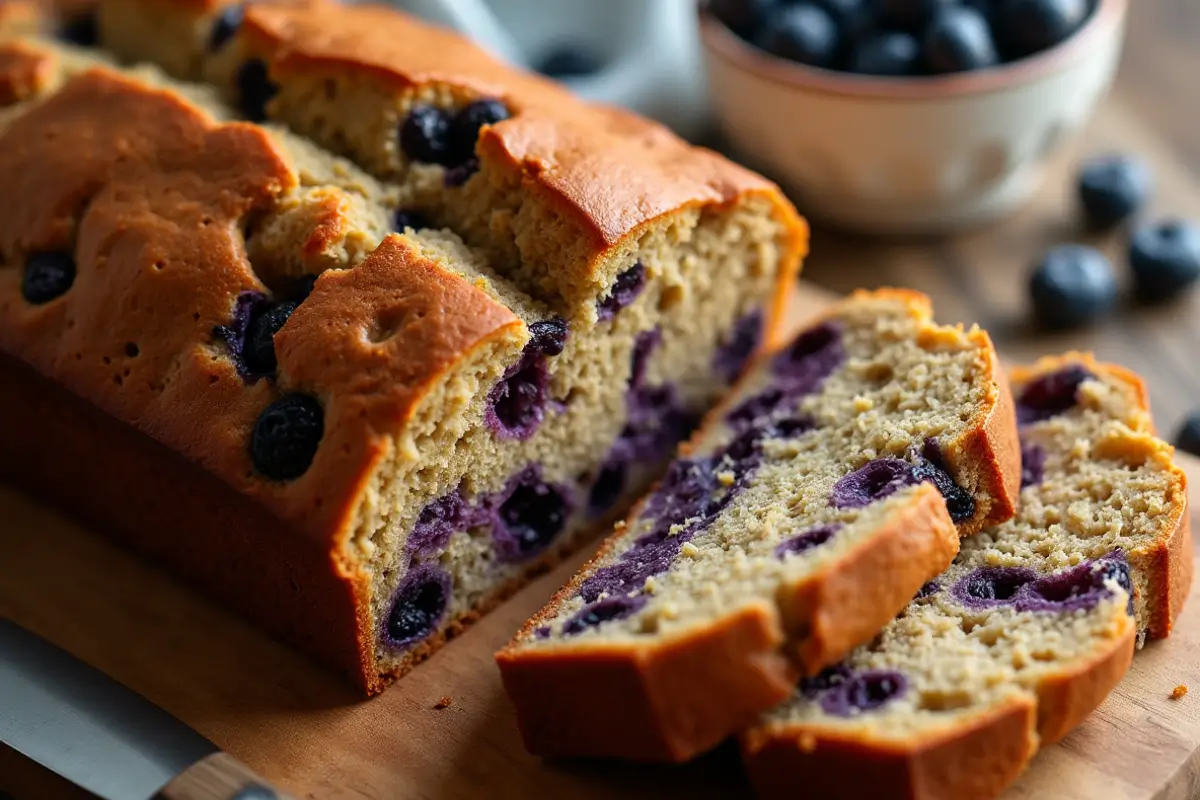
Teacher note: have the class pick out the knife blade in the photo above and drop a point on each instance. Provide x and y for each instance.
(75, 722)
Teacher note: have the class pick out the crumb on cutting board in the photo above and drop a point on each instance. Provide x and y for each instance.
(443, 702)
(1179, 691)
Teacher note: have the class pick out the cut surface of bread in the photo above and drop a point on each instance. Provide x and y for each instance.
(424, 418)
(1025, 634)
(815, 502)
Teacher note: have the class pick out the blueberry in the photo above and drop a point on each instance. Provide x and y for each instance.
(910, 15)
(1187, 438)
(534, 513)
(864, 692)
(466, 125)
(959, 502)
(1051, 394)
(804, 33)
(738, 344)
(811, 358)
(549, 336)
(1026, 27)
(872, 482)
(1165, 259)
(607, 610)
(803, 542)
(743, 17)
(259, 352)
(1072, 286)
(607, 488)
(986, 587)
(225, 26)
(409, 219)
(418, 607)
(625, 289)
(48, 275)
(425, 135)
(81, 29)
(255, 89)
(928, 590)
(892, 53)
(958, 40)
(1033, 464)
(286, 437)
(569, 62)
(1111, 189)
(460, 173)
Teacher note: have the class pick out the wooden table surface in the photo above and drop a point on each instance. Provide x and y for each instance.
(1153, 110)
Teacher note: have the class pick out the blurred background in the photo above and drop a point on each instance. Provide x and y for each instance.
(1033, 165)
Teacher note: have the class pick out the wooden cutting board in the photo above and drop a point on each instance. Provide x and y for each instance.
(309, 732)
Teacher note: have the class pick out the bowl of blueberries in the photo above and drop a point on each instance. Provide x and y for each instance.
(907, 116)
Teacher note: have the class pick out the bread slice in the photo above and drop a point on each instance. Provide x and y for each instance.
(800, 520)
(1025, 634)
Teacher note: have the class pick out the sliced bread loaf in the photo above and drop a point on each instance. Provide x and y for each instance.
(1025, 634)
(808, 511)
(360, 425)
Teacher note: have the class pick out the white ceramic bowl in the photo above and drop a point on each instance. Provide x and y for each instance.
(910, 156)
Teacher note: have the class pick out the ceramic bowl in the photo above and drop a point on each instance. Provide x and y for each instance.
(915, 155)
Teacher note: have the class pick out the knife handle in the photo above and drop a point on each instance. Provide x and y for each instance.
(220, 777)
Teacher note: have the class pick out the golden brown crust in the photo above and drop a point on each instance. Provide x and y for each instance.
(976, 762)
(848, 602)
(24, 71)
(667, 704)
(996, 444)
(609, 171)
(1065, 698)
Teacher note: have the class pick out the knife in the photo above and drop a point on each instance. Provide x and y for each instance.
(67, 730)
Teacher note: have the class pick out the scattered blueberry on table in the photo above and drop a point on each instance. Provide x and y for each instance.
(1112, 188)
(1072, 286)
(1164, 258)
(876, 37)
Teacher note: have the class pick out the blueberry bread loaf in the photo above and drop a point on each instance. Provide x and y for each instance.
(811, 507)
(1026, 633)
(360, 404)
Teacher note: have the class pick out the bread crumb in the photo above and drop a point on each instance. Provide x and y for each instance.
(726, 478)
(443, 702)
(620, 524)
(651, 585)
(690, 550)
(1179, 691)
(862, 404)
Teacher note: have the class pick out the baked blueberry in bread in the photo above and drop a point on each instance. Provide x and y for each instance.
(360, 401)
(811, 507)
(1025, 634)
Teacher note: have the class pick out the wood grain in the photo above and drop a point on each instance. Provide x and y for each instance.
(310, 734)
(1153, 111)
